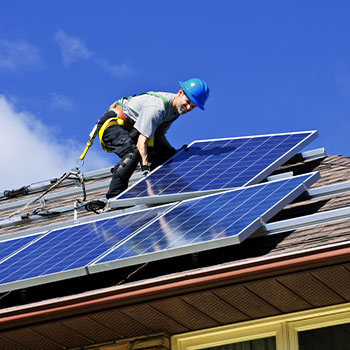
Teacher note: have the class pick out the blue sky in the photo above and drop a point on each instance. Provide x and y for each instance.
(272, 66)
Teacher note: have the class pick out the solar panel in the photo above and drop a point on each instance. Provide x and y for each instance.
(205, 223)
(217, 164)
(64, 253)
(10, 246)
(193, 225)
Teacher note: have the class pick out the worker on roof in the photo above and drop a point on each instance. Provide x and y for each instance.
(134, 128)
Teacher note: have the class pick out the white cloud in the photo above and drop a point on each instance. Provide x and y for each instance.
(61, 102)
(74, 49)
(120, 70)
(18, 54)
(30, 152)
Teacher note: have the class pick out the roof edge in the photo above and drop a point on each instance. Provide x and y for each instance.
(191, 281)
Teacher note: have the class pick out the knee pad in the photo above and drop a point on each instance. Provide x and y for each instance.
(127, 166)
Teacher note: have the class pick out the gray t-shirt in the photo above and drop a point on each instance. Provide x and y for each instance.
(149, 113)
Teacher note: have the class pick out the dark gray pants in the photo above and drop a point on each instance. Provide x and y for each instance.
(122, 143)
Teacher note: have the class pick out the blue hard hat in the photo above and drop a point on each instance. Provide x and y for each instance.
(197, 91)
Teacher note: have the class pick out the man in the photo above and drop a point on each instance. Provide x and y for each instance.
(134, 128)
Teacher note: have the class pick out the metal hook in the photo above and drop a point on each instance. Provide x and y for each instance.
(79, 165)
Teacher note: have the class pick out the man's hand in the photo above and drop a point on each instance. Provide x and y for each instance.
(145, 170)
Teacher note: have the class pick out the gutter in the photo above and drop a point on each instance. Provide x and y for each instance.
(173, 285)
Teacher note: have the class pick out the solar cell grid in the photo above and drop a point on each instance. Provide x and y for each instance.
(12, 245)
(219, 164)
(73, 247)
(210, 219)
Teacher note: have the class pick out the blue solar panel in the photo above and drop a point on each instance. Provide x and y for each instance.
(221, 164)
(208, 222)
(190, 226)
(72, 248)
(11, 246)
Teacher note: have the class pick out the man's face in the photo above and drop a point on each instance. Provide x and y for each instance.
(182, 103)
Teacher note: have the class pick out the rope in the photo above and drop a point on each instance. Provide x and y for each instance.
(63, 177)
(5, 295)
(82, 184)
(132, 273)
(79, 200)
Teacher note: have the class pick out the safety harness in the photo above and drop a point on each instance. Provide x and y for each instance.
(119, 119)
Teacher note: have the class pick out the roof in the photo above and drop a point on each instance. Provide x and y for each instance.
(282, 269)
(57, 206)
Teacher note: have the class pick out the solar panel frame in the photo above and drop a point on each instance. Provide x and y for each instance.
(21, 256)
(121, 201)
(160, 199)
(99, 266)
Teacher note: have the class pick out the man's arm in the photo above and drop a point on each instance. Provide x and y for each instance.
(142, 147)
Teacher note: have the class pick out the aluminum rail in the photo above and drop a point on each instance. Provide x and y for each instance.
(52, 197)
(45, 184)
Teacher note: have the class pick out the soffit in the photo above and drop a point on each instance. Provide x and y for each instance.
(212, 307)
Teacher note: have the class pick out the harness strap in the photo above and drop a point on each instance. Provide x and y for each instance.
(151, 93)
(127, 122)
(109, 122)
(166, 106)
(163, 98)
(121, 120)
